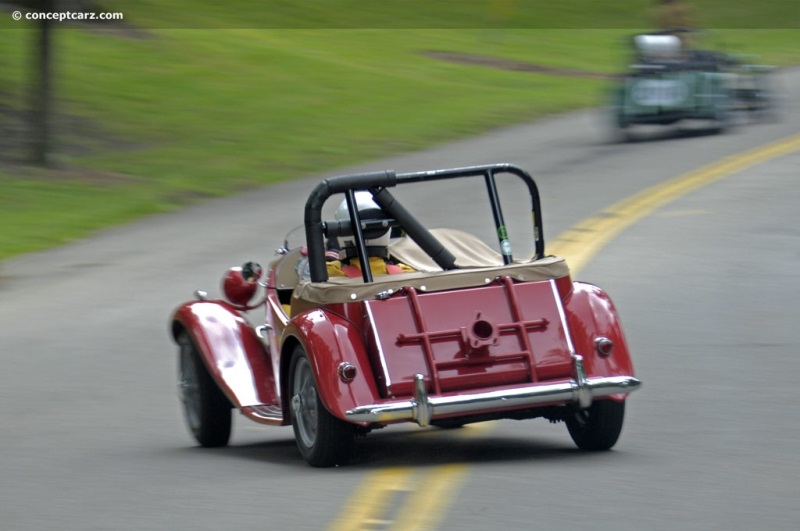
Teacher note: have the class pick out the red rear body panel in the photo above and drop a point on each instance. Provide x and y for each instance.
(501, 334)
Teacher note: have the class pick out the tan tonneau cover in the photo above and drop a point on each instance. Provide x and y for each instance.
(469, 251)
(342, 289)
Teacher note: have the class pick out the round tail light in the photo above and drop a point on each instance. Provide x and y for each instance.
(347, 372)
(604, 346)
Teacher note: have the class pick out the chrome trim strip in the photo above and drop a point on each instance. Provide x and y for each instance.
(268, 412)
(381, 355)
(583, 395)
(563, 317)
(278, 311)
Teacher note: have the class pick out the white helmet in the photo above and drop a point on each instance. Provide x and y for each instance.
(376, 240)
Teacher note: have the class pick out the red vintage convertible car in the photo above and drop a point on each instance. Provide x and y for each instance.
(471, 334)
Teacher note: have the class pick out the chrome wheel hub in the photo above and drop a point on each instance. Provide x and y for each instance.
(304, 403)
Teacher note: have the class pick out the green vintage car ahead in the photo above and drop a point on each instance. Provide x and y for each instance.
(668, 82)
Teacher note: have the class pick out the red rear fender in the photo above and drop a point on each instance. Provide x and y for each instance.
(591, 315)
(233, 354)
(330, 340)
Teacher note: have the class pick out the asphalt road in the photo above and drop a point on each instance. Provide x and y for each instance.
(707, 287)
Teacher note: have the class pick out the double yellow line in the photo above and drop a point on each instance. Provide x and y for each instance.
(405, 498)
(419, 499)
(581, 242)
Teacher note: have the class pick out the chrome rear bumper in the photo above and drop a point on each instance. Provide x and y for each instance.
(422, 408)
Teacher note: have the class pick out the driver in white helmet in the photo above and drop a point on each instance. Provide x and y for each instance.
(376, 242)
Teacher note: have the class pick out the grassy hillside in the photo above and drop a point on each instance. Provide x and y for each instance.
(191, 100)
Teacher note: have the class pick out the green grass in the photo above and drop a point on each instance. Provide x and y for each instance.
(149, 124)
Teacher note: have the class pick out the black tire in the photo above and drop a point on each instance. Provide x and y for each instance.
(206, 409)
(598, 427)
(323, 440)
(448, 424)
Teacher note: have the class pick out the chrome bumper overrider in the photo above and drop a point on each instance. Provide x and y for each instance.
(423, 408)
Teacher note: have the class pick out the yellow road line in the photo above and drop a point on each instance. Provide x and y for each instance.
(368, 504)
(580, 243)
(427, 505)
(369, 507)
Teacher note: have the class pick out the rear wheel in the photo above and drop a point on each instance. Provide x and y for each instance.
(323, 439)
(205, 407)
(597, 427)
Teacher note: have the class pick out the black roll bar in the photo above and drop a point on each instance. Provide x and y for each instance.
(415, 230)
(377, 183)
(358, 235)
(499, 223)
(315, 239)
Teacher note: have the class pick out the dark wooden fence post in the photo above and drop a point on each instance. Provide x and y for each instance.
(42, 115)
